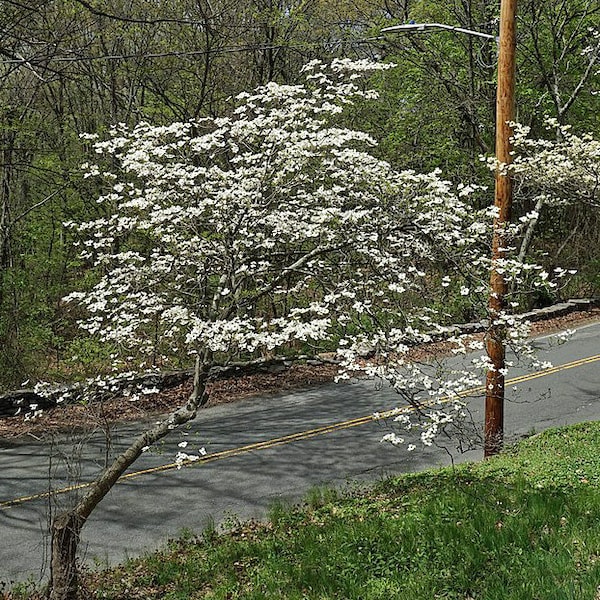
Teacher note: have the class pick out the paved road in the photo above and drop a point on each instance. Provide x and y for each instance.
(259, 451)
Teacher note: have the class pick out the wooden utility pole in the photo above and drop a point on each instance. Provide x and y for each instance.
(495, 343)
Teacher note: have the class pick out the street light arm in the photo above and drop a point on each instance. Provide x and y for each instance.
(428, 26)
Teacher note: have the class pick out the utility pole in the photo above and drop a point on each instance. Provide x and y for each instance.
(495, 341)
(505, 113)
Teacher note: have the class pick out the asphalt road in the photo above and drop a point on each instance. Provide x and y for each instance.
(259, 451)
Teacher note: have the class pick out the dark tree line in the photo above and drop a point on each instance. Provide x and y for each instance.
(73, 66)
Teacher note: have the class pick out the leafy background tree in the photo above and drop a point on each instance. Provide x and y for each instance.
(70, 67)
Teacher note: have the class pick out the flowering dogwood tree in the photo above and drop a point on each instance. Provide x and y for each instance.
(565, 169)
(272, 229)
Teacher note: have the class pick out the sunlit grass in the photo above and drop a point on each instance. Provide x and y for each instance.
(524, 525)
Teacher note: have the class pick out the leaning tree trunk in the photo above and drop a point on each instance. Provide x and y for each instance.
(66, 527)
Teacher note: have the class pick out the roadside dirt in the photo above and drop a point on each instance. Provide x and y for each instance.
(78, 417)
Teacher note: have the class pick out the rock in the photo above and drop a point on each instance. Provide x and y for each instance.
(584, 303)
(22, 401)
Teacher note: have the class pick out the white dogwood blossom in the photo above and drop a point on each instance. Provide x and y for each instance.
(276, 228)
(563, 169)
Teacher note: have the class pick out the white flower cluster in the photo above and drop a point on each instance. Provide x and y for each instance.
(276, 226)
(564, 169)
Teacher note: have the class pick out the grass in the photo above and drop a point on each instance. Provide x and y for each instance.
(522, 526)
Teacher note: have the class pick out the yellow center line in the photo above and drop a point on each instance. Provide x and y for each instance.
(301, 435)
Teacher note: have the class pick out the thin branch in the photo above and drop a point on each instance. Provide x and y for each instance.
(36, 205)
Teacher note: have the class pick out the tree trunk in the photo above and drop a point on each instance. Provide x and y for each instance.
(66, 527)
(528, 237)
(63, 567)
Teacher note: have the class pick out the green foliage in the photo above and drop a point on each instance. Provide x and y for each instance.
(585, 283)
(320, 496)
(591, 277)
(436, 111)
(419, 122)
(90, 355)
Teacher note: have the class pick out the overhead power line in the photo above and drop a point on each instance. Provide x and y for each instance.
(154, 55)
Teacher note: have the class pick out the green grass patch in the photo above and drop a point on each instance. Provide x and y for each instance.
(524, 525)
